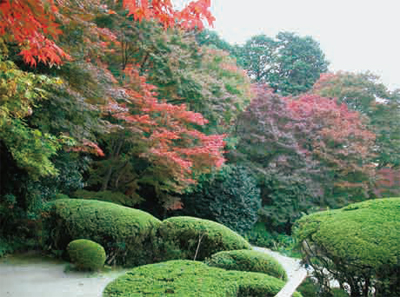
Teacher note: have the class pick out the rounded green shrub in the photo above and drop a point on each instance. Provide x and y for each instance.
(183, 278)
(230, 197)
(126, 234)
(86, 254)
(247, 260)
(357, 244)
(194, 238)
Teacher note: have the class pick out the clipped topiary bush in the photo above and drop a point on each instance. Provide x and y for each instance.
(185, 278)
(126, 234)
(230, 197)
(358, 245)
(193, 238)
(86, 254)
(247, 260)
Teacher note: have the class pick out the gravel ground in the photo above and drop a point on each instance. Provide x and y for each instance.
(296, 273)
(33, 276)
(43, 278)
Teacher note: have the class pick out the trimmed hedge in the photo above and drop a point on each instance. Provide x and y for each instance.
(358, 244)
(181, 237)
(247, 260)
(183, 278)
(86, 254)
(126, 234)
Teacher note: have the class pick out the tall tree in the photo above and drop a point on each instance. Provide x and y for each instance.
(307, 151)
(257, 57)
(364, 93)
(290, 64)
(285, 171)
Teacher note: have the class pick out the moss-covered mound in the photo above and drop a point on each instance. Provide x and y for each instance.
(183, 278)
(86, 254)
(127, 234)
(359, 244)
(247, 260)
(193, 238)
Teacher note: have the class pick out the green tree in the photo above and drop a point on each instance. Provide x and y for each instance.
(290, 64)
(211, 38)
(257, 57)
(230, 197)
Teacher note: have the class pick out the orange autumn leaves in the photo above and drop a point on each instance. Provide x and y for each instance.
(168, 131)
(33, 24)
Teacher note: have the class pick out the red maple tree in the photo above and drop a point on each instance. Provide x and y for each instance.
(33, 24)
(167, 132)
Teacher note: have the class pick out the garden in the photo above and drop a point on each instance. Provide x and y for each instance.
(141, 154)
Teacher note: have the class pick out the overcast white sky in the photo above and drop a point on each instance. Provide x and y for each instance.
(355, 35)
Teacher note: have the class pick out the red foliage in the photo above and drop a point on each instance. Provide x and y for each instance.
(87, 146)
(336, 136)
(388, 183)
(168, 132)
(32, 23)
(190, 17)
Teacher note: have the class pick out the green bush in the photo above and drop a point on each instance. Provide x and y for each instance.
(190, 278)
(358, 244)
(5, 247)
(310, 288)
(126, 234)
(86, 254)
(230, 197)
(246, 260)
(194, 238)
(258, 235)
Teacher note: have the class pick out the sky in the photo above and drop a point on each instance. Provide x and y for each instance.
(355, 35)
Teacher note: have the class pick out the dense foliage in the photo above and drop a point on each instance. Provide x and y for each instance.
(364, 93)
(289, 64)
(126, 234)
(356, 245)
(108, 102)
(318, 154)
(86, 254)
(191, 278)
(230, 197)
(247, 260)
(193, 238)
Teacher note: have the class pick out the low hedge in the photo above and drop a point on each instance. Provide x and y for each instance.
(190, 278)
(86, 254)
(194, 238)
(247, 260)
(126, 234)
(358, 244)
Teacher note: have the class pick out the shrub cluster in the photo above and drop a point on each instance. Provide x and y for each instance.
(127, 234)
(230, 197)
(132, 237)
(86, 254)
(183, 278)
(193, 238)
(247, 260)
(358, 245)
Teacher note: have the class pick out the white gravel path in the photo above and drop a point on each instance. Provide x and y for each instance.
(46, 279)
(296, 273)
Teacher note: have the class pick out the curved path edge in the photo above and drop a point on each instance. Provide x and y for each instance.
(295, 271)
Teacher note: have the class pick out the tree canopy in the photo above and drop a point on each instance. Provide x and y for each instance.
(289, 64)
